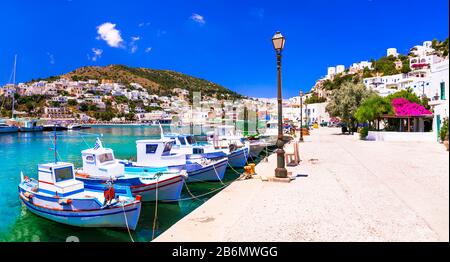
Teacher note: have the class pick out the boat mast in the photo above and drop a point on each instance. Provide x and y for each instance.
(54, 144)
(14, 86)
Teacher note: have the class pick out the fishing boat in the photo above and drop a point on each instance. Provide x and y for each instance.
(4, 128)
(31, 126)
(157, 153)
(77, 127)
(187, 144)
(58, 196)
(225, 138)
(100, 165)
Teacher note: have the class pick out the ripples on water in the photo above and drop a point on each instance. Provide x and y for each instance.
(24, 151)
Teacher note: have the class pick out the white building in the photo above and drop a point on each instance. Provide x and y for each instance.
(340, 69)
(439, 86)
(331, 72)
(392, 52)
(422, 50)
(423, 61)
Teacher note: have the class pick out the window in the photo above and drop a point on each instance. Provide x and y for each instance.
(90, 159)
(150, 149)
(442, 90)
(196, 151)
(182, 141)
(63, 174)
(105, 157)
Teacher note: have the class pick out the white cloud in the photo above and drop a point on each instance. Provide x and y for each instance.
(97, 54)
(148, 49)
(144, 24)
(51, 57)
(198, 19)
(133, 45)
(110, 34)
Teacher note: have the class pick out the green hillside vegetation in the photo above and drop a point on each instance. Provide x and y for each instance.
(160, 82)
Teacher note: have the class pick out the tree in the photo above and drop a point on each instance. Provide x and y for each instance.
(407, 94)
(373, 108)
(315, 99)
(72, 102)
(345, 101)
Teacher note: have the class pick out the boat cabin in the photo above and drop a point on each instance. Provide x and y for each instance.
(156, 153)
(58, 179)
(101, 163)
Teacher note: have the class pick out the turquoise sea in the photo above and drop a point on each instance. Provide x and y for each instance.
(24, 151)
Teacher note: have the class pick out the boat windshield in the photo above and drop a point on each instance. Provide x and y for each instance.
(191, 140)
(167, 148)
(105, 157)
(182, 141)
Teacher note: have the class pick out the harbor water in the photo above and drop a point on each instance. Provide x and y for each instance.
(24, 151)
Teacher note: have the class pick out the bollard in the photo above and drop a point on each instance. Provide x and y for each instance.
(252, 168)
(247, 172)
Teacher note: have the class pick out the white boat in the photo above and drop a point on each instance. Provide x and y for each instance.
(186, 144)
(77, 127)
(58, 196)
(100, 165)
(158, 153)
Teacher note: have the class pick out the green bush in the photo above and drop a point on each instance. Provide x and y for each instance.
(444, 130)
(363, 132)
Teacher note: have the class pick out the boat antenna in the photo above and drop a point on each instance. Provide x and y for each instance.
(161, 130)
(54, 144)
(14, 86)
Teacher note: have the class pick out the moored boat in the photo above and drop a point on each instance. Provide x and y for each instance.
(100, 165)
(54, 127)
(58, 196)
(4, 128)
(157, 153)
(31, 126)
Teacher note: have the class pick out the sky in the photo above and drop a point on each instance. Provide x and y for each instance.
(227, 42)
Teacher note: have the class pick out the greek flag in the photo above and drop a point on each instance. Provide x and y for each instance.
(98, 144)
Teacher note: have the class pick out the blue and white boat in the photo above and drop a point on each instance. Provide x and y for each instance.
(4, 128)
(100, 165)
(186, 144)
(58, 196)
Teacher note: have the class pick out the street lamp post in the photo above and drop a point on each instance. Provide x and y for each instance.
(278, 41)
(301, 116)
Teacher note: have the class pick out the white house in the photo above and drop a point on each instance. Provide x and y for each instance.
(392, 52)
(439, 102)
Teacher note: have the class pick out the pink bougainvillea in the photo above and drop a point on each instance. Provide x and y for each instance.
(403, 107)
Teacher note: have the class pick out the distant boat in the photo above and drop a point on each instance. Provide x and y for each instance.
(53, 127)
(77, 127)
(4, 128)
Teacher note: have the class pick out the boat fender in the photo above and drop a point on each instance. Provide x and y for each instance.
(109, 194)
(66, 201)
(138, 198)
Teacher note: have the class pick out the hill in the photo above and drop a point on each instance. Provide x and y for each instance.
(160, 82)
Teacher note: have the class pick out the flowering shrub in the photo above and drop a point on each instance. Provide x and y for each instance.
(403, 107)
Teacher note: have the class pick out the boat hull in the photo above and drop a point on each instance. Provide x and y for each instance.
(213, 172)
(238, 158)
(11, 129)
(164, 190)
(107, 217)
(32, 129)
(256, 149)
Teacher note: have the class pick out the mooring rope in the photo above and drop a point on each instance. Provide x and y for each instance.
(156, 207)
(126, 223)
(217, 174)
